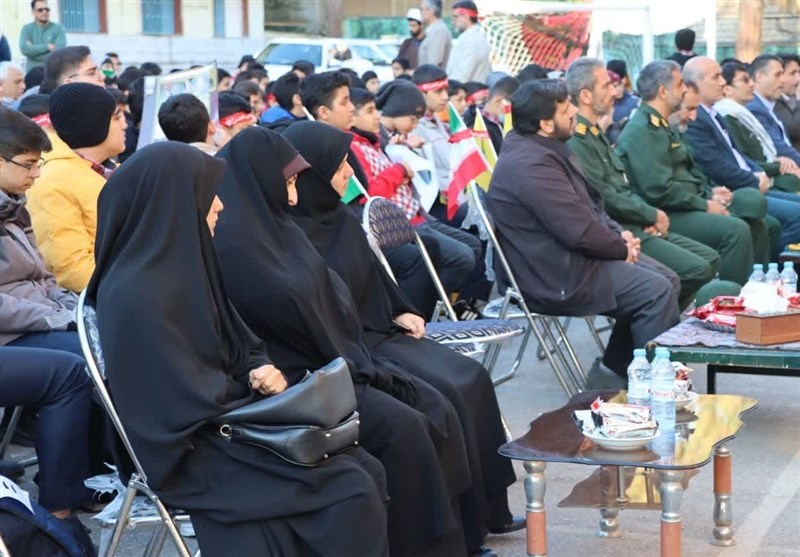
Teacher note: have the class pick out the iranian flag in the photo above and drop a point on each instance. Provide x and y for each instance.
(466, 161)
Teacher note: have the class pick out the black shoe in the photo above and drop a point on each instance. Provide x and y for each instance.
(483, 552)
(81, 535)
(517, 523)
(466, 310)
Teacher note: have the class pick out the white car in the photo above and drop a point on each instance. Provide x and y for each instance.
(327, 54)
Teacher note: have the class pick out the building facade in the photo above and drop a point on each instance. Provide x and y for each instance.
(172, 33)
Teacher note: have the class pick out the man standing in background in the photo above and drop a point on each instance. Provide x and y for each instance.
(40, 37)
(410, 47)
(435, 48)
(472, 62)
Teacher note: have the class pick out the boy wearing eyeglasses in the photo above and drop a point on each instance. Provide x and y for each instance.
(40, 37)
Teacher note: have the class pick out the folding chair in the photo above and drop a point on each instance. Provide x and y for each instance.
(387, 226)
(167, 520)
(16, 414)
(548, 330)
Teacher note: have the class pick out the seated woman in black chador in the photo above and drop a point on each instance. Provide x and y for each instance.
(177, 355)
(338, 236)
(288, 296)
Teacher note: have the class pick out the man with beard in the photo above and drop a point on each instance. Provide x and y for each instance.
(568, 255)
(592, 92)
(661, 170)
(410, 47)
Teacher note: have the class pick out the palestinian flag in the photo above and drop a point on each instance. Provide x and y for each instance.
(481, 135)
(466, 161)
(507, 121)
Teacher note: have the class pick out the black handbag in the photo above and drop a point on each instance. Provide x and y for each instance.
(304, 424)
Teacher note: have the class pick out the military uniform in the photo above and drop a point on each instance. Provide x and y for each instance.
(748, 144)
(694, 263)
(661, 170)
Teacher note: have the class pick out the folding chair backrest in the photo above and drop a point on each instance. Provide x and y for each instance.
(89, 335)
(389, 227)
(489, 226)
(387, 223)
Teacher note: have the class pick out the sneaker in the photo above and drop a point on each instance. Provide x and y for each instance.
(601, 377)
(466, 310)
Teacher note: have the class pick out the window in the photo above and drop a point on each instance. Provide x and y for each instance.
(219, 18)
(82, 16)
(287, 53)
(159, 17)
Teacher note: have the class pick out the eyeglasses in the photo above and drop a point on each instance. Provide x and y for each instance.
(42, 10)
(28, 167)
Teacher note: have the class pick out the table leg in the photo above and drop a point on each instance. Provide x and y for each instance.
(534, 510)
(609, 523)
(723, 488)
(711, 379)
(671, 493)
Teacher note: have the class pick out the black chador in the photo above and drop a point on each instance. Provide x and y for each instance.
(339, 238)
(284, 290)
(177, 355)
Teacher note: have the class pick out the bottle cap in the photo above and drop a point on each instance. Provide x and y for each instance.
(788, 265)
(640, 353)
(758, 267)
(773, 266)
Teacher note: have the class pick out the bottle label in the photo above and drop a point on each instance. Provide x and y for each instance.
(663, 394)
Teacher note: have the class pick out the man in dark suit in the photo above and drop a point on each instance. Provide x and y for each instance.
(766, 71)
(720, 160)
(568, 255)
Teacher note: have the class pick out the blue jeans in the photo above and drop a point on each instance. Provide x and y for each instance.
(53, 382)
(786, 208)
(67, 341)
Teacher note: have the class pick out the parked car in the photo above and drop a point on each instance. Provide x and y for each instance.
(328, 54)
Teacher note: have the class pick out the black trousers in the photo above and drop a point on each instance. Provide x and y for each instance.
(53, 382)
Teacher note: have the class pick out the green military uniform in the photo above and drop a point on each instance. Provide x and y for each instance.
(694, 263)
(660, 169)
(749, 145)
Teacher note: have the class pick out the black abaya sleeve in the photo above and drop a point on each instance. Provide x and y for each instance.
(400, 303)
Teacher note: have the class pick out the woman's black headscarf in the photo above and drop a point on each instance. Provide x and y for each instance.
(335, 231)
(278, 282)
(176, 352)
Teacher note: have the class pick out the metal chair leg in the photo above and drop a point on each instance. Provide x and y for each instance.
(172, 530)
(12, 426)
(122, 517)
(156, 542)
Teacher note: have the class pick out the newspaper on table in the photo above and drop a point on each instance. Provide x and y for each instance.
(616, 420)
(200, 82)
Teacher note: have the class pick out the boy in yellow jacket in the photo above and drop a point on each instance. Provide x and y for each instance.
(63, 205)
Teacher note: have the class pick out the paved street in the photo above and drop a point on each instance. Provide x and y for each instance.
(766, 465)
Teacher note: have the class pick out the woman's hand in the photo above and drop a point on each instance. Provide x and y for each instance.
(413, 322)
(267, 380)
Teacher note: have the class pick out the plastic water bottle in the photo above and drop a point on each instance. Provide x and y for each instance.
(663, 387)
(663, 404)
(639, 378)
(772, 276)
(789, 277)
(758, 273)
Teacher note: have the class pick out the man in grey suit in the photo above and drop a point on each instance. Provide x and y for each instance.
(435, 48)
(472, 62)
(568, 255)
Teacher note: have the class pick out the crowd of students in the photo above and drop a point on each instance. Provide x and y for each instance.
(223, 264)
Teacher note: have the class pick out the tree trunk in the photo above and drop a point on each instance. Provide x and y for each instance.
(333, 13)
(748, 36)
